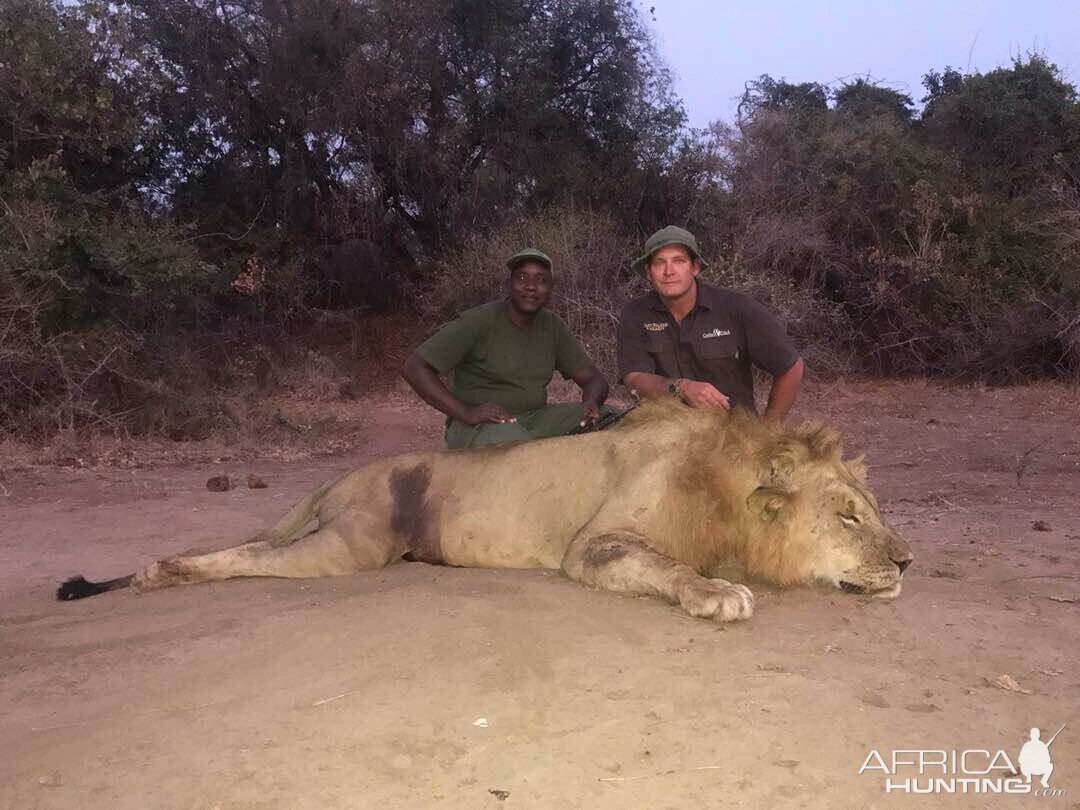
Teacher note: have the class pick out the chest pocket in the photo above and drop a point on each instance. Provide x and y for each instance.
(724, 360)
(719, 348)
(661, 344)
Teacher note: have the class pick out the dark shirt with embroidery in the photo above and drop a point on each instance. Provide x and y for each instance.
(719, 340)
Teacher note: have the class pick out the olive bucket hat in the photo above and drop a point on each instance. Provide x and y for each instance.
(671, 235)
(529, 255)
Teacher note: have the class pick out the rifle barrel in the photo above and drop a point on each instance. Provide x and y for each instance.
(1055, 736)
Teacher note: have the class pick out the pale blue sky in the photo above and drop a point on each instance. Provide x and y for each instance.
(715, 47)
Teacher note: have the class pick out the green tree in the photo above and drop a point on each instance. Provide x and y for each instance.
(1009, 128)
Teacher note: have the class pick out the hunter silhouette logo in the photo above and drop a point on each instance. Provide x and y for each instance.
(973, 770)
(1035, 757)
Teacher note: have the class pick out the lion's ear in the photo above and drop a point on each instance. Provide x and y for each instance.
(857, 467)
(767, 502)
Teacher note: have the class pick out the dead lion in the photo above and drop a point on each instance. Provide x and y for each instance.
(656, 505)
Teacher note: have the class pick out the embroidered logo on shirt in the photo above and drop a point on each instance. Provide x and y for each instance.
(717, 333)
(655, 327)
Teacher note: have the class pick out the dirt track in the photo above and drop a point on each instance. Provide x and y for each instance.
(364, 692)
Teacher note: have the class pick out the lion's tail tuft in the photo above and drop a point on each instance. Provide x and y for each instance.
(80, 588)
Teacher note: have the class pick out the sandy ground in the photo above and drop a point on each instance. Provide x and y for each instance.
(366, 691)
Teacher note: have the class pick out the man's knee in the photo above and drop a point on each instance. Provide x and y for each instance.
(485, 433)
(499, 433)
(557, 419)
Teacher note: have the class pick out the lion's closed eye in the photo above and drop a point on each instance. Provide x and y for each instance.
(849, 520)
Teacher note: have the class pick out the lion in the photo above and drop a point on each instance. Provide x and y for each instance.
(657, 505)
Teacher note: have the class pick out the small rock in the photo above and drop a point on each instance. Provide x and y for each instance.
(219, 483)
(923, 708)
(501, 795)
(780, 668)
(874, 699)
(254, 482)
(942, 573)
(51, 779)
(1040, 526)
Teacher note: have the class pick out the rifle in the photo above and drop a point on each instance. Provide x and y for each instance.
(605, 421)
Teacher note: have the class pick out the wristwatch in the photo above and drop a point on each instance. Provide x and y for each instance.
(673, 389)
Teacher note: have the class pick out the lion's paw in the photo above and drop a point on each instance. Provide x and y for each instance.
(718, 599)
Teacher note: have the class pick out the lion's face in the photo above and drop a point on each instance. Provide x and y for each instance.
(835, 531)
(856, 550)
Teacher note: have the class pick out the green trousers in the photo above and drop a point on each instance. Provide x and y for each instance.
(551, 420)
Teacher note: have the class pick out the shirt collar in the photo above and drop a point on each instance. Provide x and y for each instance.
(703, 300)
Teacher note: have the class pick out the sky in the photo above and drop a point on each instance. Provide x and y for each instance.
(714, 47)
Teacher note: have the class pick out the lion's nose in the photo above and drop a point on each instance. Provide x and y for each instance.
(903, 564)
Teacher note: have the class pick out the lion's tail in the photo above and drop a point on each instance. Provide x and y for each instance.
(80, 588)
(280, 534)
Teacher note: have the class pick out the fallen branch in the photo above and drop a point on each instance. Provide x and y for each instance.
(659, 773)
(335, 697)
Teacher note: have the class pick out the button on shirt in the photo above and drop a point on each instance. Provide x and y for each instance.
(719, 340)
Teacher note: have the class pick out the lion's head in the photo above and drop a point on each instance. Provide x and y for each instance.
(827, 524)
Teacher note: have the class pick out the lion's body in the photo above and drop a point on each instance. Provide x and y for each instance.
(655, 505)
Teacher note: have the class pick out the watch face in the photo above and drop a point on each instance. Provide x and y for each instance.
(673, 388)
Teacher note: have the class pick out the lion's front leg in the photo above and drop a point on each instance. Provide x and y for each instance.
(624, 562)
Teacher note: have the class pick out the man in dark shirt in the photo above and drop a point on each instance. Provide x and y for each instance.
(699, 342)
(502, 355)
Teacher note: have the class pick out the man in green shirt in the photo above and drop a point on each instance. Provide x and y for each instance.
(503, 354)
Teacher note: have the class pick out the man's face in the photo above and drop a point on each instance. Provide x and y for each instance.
(530, 287)
(672, 271)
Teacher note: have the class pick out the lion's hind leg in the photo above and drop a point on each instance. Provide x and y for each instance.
(323, 553)
(624, 562)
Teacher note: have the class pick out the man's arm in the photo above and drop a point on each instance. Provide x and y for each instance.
(785, 388)
(646, 384)
(637, 370)
(425, 381)
(770, 349)
(594, 390)
(695, 393)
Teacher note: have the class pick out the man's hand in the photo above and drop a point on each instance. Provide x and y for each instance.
(486, 412)
(594, 390)
(590, 412)
(703, 395)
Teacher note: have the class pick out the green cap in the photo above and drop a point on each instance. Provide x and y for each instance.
(529, 255)
(671, 235)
